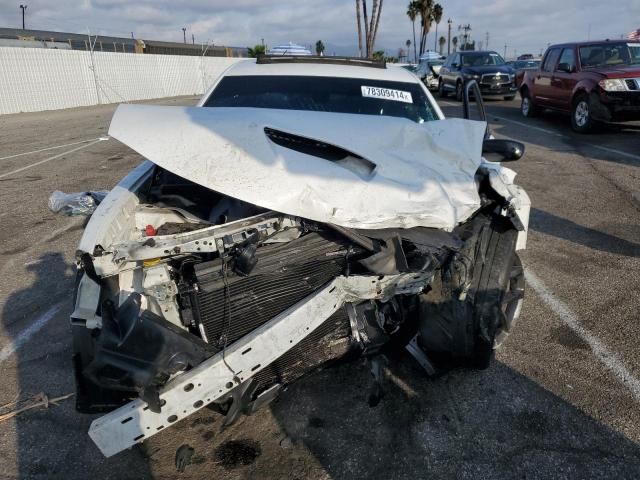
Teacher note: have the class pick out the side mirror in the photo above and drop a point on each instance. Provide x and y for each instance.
(454, 65)
(500, 150)
(565, 67)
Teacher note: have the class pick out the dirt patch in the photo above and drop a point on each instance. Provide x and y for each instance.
(237, 453)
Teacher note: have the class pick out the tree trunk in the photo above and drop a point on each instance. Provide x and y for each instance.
(435, 40)
(375, 32)
(366, 27)
(359, 28)
(415, 54)
(372, 26)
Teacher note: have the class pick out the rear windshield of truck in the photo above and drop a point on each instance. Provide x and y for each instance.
(614, 54)
(324, 94)
(480, 59)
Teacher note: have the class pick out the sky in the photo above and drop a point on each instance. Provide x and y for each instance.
(524, 26)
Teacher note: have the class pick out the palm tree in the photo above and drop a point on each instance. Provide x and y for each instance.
(408, 44)
(370, 27)
(425, 8)
(412, 13)
(256, 50)
(454, 40)
(436, 14)
(359, 28)
(442, 41)
(319, 48)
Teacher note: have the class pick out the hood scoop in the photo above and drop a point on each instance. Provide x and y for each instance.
(317, 148)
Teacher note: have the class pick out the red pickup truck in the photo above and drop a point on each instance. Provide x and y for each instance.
(593, 81)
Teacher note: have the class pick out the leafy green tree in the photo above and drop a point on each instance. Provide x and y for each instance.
(257, 50)
(378, 55)
(442, 42)
(319, 48)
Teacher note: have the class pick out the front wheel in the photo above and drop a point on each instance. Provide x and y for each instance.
(527, 108)
(459, 88)
(581, 119)
(441, 91)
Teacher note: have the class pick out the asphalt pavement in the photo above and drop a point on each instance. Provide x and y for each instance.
(562, 399)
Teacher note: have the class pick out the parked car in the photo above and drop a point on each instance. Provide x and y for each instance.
(521, 66)
(486, 67)
(593, 81)
(429, 71)
(309, 209)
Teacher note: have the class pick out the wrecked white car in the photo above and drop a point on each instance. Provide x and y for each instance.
(307, 210)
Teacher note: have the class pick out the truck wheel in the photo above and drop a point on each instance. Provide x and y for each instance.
(581, 119)
(527, 108)
(442, 93)
(459, 90)
(472, 306)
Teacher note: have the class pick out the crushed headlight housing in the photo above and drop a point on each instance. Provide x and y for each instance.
(612, 85)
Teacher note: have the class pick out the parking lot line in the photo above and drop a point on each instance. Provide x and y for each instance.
(606, 356)
(85, 145)
(26, 334)
(50, 148)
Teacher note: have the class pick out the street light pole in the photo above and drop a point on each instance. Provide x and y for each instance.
(184, 34)
(449, 22)
(23, 8)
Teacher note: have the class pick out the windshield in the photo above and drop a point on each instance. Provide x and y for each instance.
(480, 59)
(324, 94)
(526, 64)
(610, 55)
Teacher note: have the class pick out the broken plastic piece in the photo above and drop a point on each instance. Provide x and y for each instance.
(79, 203)
(183, 457)
(149, 231)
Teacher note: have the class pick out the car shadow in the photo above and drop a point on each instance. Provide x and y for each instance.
(50, 442)
(492, 424)
(550, 224)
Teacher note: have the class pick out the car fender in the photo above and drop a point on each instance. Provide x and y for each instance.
(501, 180)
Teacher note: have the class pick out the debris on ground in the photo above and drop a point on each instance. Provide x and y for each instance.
(237, 453)
(79, 203)
(183, 457)
(16, 407)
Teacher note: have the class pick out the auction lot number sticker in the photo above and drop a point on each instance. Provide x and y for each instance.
(386, 94)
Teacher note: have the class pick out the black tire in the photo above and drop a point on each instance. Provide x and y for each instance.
(463, 317)
(508, 98)
(442, 93)
(581, 118)
(459, 88)
(527, 107)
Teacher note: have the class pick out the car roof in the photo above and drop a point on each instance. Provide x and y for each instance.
(250, 67)
(595, 42)
(476, 52)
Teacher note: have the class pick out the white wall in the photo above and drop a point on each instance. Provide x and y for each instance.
(34, 79)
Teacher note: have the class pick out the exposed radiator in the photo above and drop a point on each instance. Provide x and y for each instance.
(284, 275)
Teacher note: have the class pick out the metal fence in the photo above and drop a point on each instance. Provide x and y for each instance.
(34, 79)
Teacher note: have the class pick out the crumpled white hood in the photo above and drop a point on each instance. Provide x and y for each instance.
(424, 173)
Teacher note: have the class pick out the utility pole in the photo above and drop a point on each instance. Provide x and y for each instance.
(449, 37)
(505, 52)
(184, 34)
(132, 36)
(23, 8)
(193, 39)
(486, 41)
